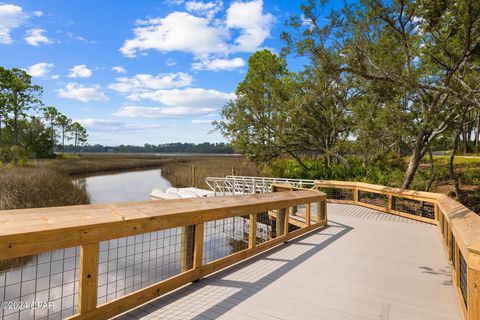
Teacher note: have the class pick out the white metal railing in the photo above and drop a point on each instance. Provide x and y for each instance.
(233, 185)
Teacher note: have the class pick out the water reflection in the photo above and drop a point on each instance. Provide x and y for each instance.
(124, 187)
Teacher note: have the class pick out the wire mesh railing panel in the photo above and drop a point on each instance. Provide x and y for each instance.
(224, 237)
(265, 227)
(373, 198)
(338, 193)
(132, 263)
(463, 278)
(43, 286)
(414, 207)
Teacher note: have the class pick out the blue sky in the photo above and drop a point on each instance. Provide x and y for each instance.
(136, 72)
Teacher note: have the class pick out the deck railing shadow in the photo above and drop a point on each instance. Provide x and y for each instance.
(247, 289)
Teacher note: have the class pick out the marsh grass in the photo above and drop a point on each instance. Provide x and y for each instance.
(27, 187)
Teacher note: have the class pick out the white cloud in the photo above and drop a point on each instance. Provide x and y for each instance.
(170, 62)
(55, 76)
(11, 17)
(255, 26)
(119, 69)
(40, 69)
(199, 33)
(160, 112)
(82, 93)
(219, 64)
(146, 82)
(179, 31)
(188, 97)
(108, 125)
(37, 13)
(202, 121)
(36, 36)
(80, 71)
(208, 9)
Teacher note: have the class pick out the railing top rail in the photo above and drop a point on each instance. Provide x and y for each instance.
(379, 188)
(464, 223)
(30, 231)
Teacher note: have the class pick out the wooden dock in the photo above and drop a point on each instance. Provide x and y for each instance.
(364, 265)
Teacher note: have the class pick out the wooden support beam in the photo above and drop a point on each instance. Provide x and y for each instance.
(307, 214)
(280, 222)
(252, 231)
(88, 277)
(187, 248)
(473, 283)
(198, 247)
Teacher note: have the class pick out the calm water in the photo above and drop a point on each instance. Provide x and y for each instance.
(125, 186)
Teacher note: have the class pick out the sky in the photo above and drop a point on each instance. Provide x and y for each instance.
(136, 72)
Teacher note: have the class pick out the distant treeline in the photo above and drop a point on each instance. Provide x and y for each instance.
(205, 147)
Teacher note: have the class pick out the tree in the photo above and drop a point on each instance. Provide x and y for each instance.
(20, 95)
(423, 53)
(51, 114)
(79, 134)
(64, 123)
(259, 121)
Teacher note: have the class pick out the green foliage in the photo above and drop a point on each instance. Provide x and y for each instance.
(14, 154)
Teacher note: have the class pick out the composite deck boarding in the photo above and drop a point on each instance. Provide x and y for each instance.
(364, 265)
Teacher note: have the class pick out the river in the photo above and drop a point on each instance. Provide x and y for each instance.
(124, 186)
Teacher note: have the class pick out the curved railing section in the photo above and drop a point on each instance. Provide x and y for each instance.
(459, 228)
(98, 261)
(237, 185)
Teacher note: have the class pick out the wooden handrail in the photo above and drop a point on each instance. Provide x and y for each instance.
(463, 225)
(30, 231)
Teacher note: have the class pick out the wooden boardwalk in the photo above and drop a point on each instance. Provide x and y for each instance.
(364, 265)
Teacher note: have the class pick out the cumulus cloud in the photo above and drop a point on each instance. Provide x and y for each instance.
(119, 69)
(187, 97)
(80, 71)
(197, 32)
(82, 93)
(254, 25)
(36, 36)
(108, 125)
(160, 112)
(179, 31)
(37, 13)
(196, 121)
(219, 64)
(208, 9)
(146, 82)
(40, 70)
(11, 17)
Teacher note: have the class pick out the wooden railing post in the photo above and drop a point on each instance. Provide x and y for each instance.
(355, 195)
(307, 214)
(390, 202)
(198, 247)
(187, 248)
(280, 223)
(88, 277)
(252, 231)
(473, 283)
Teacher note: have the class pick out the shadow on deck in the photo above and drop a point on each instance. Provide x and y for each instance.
(364, 265)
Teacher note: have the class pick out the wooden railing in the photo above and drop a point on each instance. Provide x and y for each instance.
(124, 255)
(459, 228)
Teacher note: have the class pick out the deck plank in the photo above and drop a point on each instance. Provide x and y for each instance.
(364, 265)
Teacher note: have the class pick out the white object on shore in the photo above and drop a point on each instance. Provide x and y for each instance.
(180, 193)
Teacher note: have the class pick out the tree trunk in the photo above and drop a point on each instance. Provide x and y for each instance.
(1, 132)
(465, 139)
(451, 167)
(63, 139)
(53, 136)
(15, 128)
(76, 139)
(477, 133)
(433, 173)
(414, 161)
